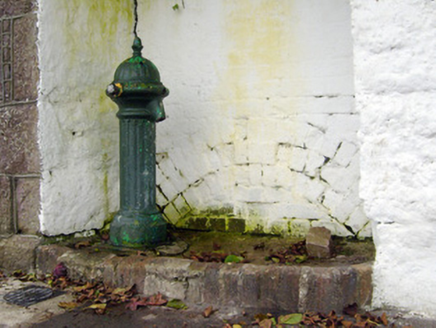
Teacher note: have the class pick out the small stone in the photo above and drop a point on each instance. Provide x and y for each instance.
(176, 248)
(319, 243)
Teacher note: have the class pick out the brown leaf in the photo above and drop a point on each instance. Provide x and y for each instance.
(105, 236)
(208, 311)
(332, 315)
(259, 246)
(361, 324)
(60, 271)
(68, 305)
(157, 300)
(216, 247)
(85, 287)
(82, 244)
(122, 291)
(267, 323)
(260, 317)
(347, 324)
(136, 302)
(350, 310)
(384, 319)
(98, 308)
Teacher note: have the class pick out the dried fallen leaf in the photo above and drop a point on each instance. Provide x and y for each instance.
(105, 236)
(259, 246)
(260, 317)
(82, 244)
(60, 271)
(136, 302)
(98, 308)
(267, 323)
(208, 311)
(68, 305)
(122, 291)
(384, 319)
(350, 310)
(347, 324)
(85, 287)
(157, 300)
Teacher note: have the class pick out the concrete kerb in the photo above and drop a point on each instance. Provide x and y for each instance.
(271, 288)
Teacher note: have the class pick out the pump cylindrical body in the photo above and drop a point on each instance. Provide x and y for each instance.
(137, 165)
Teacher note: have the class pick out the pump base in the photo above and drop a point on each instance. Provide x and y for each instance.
(138, 230)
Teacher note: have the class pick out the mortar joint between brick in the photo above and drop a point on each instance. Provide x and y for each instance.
(17, 16)
(17, 103)
(14, 205)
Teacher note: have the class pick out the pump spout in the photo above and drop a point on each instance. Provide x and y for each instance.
(156, 110)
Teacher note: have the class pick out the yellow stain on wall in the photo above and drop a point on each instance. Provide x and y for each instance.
(262, 46)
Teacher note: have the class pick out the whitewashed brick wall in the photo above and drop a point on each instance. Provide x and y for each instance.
(395, 74)
(261, 122)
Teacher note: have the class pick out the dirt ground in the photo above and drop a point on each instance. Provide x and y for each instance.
(255, 249)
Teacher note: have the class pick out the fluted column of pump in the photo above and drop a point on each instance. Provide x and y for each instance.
(138, 92)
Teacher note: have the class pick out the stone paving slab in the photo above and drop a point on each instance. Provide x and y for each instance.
(245, 286)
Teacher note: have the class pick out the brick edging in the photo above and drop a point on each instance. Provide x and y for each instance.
(244, 286)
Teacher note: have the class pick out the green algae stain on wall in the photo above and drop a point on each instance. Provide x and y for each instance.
(93, 29)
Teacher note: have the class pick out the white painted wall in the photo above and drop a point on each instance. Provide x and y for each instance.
(395, 74)
(260, 119)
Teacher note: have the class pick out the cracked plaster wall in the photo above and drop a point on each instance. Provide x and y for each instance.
(261, 123)
(395, 78)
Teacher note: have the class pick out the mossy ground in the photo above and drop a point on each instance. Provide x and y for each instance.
(255, 248)
(258, 247)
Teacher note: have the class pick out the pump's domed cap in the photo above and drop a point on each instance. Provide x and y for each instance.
(138, 75)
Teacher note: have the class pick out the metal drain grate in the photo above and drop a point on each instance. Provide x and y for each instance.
(28, 295)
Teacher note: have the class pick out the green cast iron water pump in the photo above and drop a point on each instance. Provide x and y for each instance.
(138, 92)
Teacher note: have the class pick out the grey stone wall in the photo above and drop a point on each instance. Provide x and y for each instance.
(19, 155)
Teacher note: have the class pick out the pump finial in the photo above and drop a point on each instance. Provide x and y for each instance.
(137, 46)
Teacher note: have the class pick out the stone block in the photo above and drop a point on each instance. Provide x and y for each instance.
(47, 257)
(236, 225)
(217, 224)
(18, 139)
(197, 224)
(319, 242)
(16, 7)
(28, 205)
(229, 277)
(171, 213)
(85, 264)
(363, 292)
(279, 288)
(321, 289)
(6, 225)
(18, 253)
(25, 67)
(212, 288)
